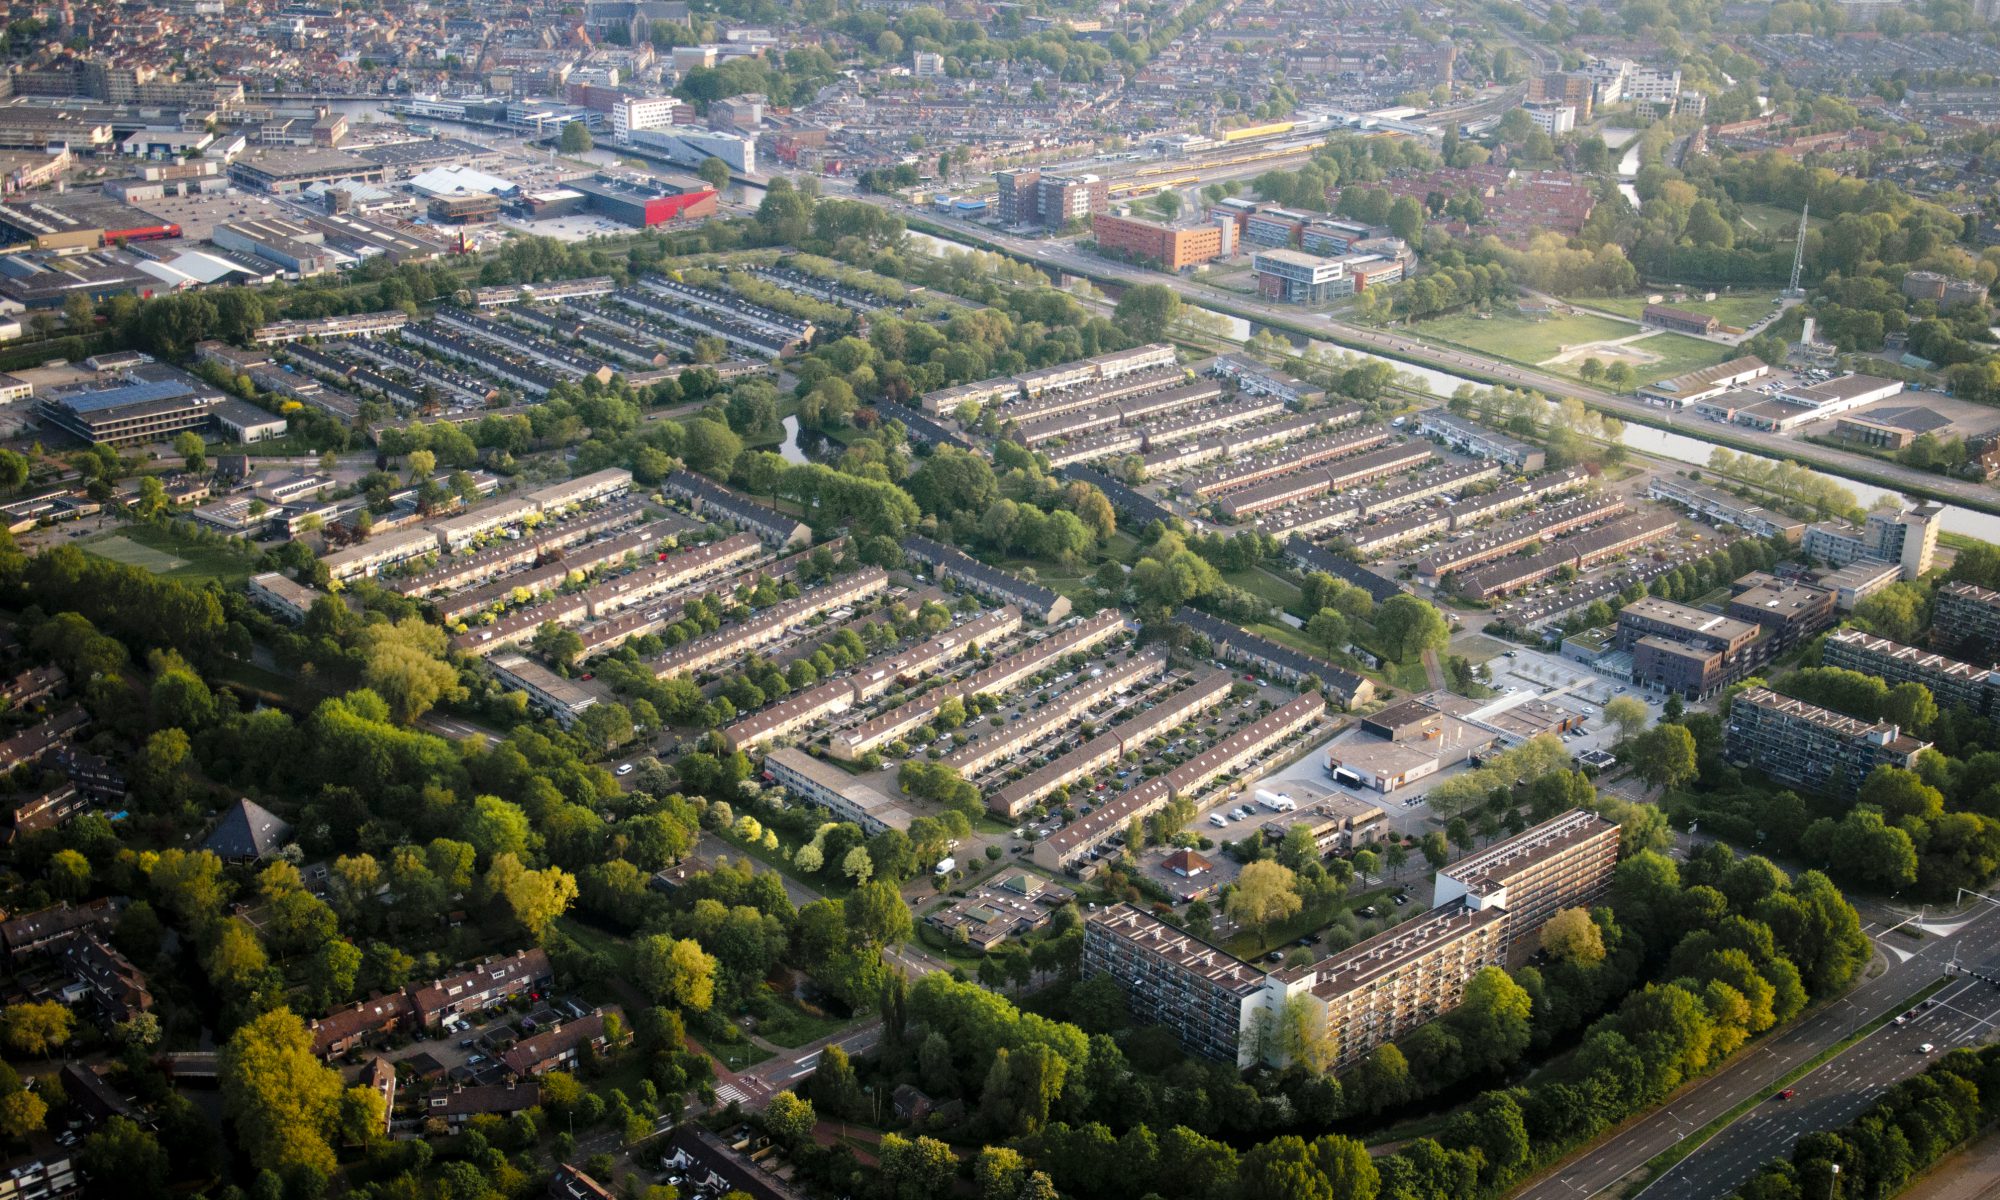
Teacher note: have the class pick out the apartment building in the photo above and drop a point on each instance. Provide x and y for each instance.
(1908, 539)
(1953, 684)
(850, 744)
(1488, 907)
(815, 782)
(1724, 508)
(1651, 619)
(1791, 611)
(1380, 989)
(1812, 747)
(771, 625)
(717, 503)
(1342, 475)
(996, 585)
(1205, 994)
(279, 333)
(1015, 799)
(1066, 848)
(1010, 739)
(1504, 540)
(1565, 862)
(1476, 439)
(283, 596)
(1965, 619)
(547, 691)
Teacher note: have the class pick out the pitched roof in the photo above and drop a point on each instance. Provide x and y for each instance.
(248, 830)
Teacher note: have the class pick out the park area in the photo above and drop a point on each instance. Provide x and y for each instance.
(171, 554)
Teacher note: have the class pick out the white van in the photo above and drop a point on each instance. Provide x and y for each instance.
(1218, 820)
(945, 867)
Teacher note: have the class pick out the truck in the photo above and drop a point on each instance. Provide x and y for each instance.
(1275, 802)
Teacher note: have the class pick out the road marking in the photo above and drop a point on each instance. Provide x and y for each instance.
(729, 1094)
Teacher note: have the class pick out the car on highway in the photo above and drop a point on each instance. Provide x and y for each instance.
(1787, 1094)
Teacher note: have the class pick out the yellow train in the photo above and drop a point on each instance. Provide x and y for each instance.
(1256, 131)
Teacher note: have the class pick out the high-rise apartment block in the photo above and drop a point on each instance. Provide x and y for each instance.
(1908, 539)
(1809, 746)
(1562, 863)
(1028, 197)
(1205, 994)
(1965, 619)
(1487, 906)
(1953, 684)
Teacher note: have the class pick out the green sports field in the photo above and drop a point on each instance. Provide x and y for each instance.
(167, 553)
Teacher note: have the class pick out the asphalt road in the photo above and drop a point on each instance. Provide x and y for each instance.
(1063, 256)
(1722, 1164)
(1834, 1094)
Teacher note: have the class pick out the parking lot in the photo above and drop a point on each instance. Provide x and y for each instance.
(471, 1047)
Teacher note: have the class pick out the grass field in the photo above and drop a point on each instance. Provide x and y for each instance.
(1522, 339)
(1771, 220)
(1740, 309)
(1678, 354)
(164, 552)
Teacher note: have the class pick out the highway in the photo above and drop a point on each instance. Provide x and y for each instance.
(1827, 1097)
(1067, 258)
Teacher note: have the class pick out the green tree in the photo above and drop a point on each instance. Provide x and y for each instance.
(1146, 311)
(1664, 756)
(1628, 713)
(1406, 626)
(789, 1118)
(676, 970)
(576, 138)
(125, 1160)
(282, 1099)
(36, 1029)
(1264, 893)
(714, 172)
(193, 451)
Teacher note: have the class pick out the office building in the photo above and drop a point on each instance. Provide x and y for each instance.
(1296, 277)
(815, 782)
(1551, 116)
(1953, 684)
(1944, 290)
(1811, 747)
(151, 403)
(1169, 247)
(634, 113)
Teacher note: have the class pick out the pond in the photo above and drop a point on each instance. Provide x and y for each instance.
(789, 449)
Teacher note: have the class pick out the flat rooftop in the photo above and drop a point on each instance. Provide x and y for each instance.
(1491, 867)
(1182, 949)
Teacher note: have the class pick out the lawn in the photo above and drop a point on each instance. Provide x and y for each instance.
(1769, 219)
(167, 553)
(1678, 354)
(1266, 586)
(1521, 339)
(793, 1027)
(1740, 309)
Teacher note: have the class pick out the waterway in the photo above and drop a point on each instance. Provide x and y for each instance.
(789, 449)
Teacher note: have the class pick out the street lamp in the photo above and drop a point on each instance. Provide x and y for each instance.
(1832, 1180)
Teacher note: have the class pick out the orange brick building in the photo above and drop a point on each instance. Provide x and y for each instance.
(1173, 248)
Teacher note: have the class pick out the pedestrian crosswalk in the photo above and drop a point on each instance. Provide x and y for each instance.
(729, 1094)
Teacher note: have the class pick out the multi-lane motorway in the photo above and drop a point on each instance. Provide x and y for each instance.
(1827, 1097)
(1065, 257)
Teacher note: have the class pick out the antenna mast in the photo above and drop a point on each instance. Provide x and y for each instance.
(1799, 253)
